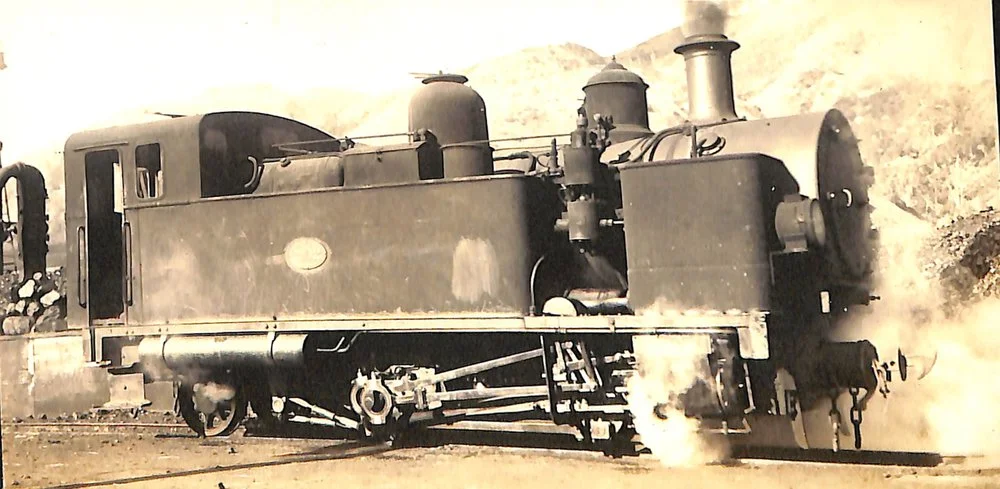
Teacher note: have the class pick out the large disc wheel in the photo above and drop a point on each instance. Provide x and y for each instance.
(212, 409)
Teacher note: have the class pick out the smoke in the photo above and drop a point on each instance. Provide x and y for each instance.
(667, 367)
(705, 17)
(948, 411)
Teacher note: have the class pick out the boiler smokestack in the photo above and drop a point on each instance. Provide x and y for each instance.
(709, 77)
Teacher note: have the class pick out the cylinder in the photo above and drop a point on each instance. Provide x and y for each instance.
(709, 77)
(583, 220)
(621, 94)
(467, 160)
(848, 364)
(181, 352)
(456, 115)
(800, 224)
(579, 166)
(301, 174)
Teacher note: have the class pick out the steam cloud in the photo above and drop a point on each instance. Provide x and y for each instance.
(705, 17)
(212, 394)
(667, 367)
(948, 410)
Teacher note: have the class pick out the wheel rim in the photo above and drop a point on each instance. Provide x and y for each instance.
(211, 417)
(221, 420)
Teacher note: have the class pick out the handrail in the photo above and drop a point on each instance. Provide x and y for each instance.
(82, 278)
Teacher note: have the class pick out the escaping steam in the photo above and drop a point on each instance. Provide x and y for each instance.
(667, 367)
(210, 394)
(948, 411)
(704, 17)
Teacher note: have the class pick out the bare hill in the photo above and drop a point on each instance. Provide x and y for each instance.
(534, 91)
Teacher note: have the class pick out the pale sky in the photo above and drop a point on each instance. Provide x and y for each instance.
(71, 63)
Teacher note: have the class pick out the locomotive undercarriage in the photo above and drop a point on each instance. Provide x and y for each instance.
(386, 385)
(383, 385)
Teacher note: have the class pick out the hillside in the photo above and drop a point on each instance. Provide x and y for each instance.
(534, 91)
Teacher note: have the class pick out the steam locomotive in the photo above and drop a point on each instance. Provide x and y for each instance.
(263, 264)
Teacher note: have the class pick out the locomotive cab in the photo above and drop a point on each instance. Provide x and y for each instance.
(115, 175)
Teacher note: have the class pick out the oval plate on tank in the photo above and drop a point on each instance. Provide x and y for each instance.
(306, 254)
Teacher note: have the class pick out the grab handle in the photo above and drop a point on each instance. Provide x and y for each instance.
(82, 281)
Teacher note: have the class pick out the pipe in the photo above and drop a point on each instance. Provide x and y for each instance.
(32, 228)
(846, 365)
(709, 77)
(178, 352)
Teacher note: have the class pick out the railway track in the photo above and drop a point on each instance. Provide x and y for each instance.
(457, 436)
(336, 453)
(94, 427)
(436, 443)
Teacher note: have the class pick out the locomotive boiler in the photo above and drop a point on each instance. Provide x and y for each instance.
(264, 264)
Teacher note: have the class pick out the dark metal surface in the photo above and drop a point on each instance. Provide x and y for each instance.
(402, 163)
(620, 93)
(191, 148)
(399, 249)
(467, 159)
(709, 77)
(700, 232)
(456, 115)
(846, 364)
(855, 457)
(280, 350)
(821, 152)
(31, 227)
(302, 173)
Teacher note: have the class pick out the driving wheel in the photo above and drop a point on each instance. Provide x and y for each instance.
(212, 409)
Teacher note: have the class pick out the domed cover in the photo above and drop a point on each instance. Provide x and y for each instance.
(614, 72)
(451, 110)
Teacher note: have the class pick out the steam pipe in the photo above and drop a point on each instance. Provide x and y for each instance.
(32, 228)
(709, 77)
(180, 352)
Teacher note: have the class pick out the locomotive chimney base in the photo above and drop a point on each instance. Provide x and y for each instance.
(709, 77)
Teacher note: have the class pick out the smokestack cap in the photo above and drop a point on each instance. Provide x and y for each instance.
(614, 72)
(714, 42)
(445, 77)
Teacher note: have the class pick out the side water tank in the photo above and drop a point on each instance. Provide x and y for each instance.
(620, 93)
(456, 115)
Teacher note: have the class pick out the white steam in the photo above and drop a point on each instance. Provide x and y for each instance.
(948, 411)
(705, 17)
(208, 395)
(667, 367)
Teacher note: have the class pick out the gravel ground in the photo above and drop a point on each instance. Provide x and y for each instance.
(166, 458)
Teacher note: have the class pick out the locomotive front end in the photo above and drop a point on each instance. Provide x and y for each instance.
(767, 219)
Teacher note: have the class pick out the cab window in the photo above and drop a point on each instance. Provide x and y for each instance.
(148, 171)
